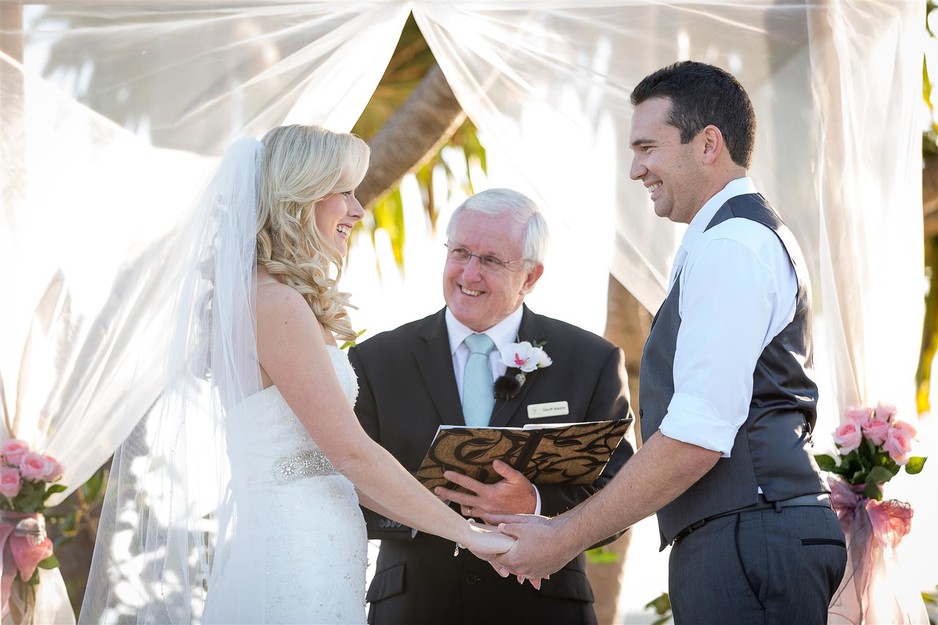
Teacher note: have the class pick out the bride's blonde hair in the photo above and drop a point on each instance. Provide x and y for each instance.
(301, 166)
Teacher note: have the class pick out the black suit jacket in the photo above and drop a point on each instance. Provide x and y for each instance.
(407, 389)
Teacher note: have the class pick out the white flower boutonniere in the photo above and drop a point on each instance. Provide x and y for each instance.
(524, 356)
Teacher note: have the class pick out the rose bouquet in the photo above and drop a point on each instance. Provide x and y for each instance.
(873, 446)
(27, 480)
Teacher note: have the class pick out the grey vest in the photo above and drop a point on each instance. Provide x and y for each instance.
(770, 450)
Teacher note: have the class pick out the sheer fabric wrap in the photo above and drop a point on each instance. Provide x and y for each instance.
(166, 503)
(533, 77)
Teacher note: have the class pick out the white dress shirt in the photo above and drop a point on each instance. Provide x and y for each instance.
(502, 333)
(738, 291)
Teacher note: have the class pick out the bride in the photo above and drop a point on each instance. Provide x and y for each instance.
(291, 544)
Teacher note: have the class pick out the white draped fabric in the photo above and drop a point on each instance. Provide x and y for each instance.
(113, 112)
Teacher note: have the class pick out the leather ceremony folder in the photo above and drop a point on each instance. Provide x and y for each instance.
(556, 453)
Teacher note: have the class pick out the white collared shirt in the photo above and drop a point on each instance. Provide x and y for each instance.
(502, 333)
(738, 291)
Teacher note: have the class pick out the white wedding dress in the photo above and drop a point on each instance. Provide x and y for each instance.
(296, 550)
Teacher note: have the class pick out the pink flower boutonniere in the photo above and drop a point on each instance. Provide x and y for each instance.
(524, 356)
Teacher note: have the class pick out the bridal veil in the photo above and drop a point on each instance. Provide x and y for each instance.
(166, 504)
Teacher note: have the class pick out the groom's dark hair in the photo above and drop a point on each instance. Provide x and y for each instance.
(702, 95)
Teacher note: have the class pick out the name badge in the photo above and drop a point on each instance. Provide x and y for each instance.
(553, 409)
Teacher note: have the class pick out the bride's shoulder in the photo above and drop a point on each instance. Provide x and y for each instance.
(277, 301)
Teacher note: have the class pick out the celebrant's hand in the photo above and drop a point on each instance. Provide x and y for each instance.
(513, 494)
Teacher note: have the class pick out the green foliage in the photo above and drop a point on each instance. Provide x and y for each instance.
(80, 511)
(388, 214)
(388, 211)
(825, 462)
(931, 603)
(348, 344)
(930, 138)
(915, 465)
(930, 329)
(407, 67)
(601, 555)
(49, 563)
(930, 135)
(411, 61)
(661, 606)
(72, 526)
(30, 498)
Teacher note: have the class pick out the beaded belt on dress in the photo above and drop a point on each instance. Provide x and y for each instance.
(309, 463)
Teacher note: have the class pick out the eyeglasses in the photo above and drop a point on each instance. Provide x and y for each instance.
(462, 256)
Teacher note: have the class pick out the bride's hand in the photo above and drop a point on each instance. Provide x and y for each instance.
(485, 541)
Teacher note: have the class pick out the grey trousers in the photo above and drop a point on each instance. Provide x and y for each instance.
(764, 567)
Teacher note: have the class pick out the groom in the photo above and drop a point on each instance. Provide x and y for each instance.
(420, 376)
(728, 404)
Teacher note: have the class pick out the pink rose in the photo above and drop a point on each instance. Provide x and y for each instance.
(34, 466)
(904, 426)
(10, 483)
(876, 431)
(13, 451)
(54, 474)
(847, 436)
(858, 414)
(898, 441)
(884, 413)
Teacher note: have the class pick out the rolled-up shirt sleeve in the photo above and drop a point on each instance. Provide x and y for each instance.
(731, 307)
(697, 421)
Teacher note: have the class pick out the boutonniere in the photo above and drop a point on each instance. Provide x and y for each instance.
(524, 356)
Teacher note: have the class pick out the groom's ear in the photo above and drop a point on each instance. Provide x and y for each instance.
(531, 279)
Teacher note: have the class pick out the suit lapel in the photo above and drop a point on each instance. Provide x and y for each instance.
(435, 363)
(505, 409)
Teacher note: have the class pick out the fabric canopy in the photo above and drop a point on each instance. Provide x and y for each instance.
(113, 112)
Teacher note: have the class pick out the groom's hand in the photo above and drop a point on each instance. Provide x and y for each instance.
(539, 549)
(514, 494)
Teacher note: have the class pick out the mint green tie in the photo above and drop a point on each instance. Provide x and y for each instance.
(478, 395)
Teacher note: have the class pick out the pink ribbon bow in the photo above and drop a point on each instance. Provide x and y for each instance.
(24, 544)
(889, 521)
(869, 526)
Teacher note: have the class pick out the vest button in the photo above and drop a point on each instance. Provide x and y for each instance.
(472, 579)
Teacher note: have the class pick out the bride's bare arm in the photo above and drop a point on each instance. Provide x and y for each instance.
(371, 504)
(292, 351)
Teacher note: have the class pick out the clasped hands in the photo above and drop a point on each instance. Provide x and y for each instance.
(506, 507)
